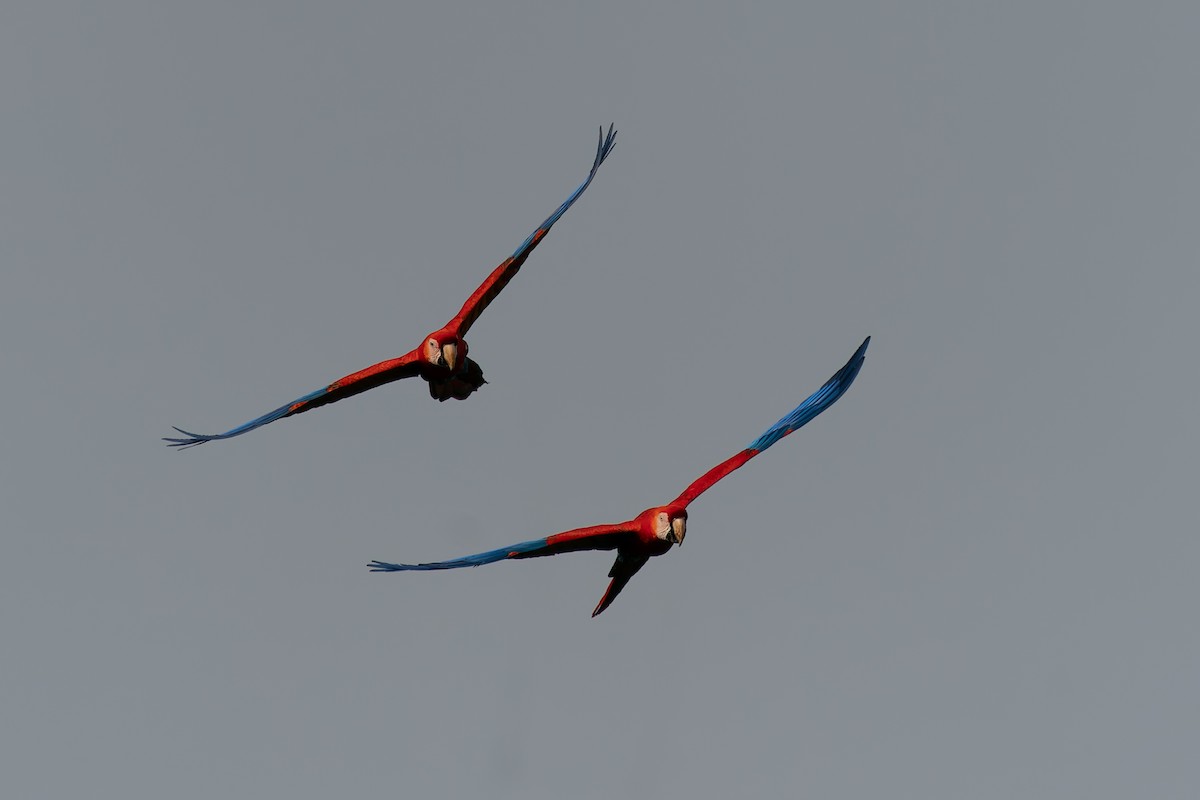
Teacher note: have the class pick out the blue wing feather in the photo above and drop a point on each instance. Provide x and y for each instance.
(477, 560)
(593, 537)
(820, 400)
(279, 413)
(605, 146)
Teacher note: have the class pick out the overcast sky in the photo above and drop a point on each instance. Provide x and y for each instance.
(974, 577)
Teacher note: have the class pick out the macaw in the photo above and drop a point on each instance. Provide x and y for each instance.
(441, 359)
(652, 532)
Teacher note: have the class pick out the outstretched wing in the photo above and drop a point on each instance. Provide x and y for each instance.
(406, 366)
(820, 400)
(504, 273)
(624, 568)
(597, 537)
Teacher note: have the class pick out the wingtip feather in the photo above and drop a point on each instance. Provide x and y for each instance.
(815, 404)
(192, 440)
(604, 146)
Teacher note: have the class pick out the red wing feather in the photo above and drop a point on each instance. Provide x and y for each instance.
(406, 366)
(482, 297)
(705, 481)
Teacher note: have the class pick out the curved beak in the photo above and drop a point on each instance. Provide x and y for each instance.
(449, 356)
(678, 530)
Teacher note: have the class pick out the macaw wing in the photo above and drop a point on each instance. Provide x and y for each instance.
(597, 537)
(800, 416)
(624, 568)
(406, 366)
(504, 273)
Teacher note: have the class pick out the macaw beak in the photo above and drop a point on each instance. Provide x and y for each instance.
(678, 530)
(448, 356)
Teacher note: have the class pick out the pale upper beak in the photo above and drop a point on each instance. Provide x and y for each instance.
(449, 356)
(678, 530)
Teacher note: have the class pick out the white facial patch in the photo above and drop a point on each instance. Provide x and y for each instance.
(662, 525)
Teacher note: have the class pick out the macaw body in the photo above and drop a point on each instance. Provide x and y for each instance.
(459, 384)
(654, 531)
(441, 359)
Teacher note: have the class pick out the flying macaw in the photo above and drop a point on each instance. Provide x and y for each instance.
(652, 532)
(441, 359)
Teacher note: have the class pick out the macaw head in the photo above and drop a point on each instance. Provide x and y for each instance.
(444, 349)
(670, 523)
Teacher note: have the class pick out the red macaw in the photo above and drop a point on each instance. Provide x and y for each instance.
(652, 532)
(442, 358)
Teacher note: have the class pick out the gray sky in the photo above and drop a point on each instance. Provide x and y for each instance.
(973, 577)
